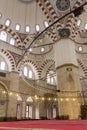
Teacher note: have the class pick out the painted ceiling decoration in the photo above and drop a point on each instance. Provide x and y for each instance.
(64, 33)
(63, 5)
(50, 11)
(34, 12)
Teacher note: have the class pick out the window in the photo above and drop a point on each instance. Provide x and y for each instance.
(29, 99)
(30, 74)
(19, 98)
(27, 29)
(12, 41)
(86, 26)
(48, 78)
(17, 27)
(80, 48)
(3, 36)
(7, 22)
(51, 78)
(25, 71)
(54, 112)
(37, 28)
(30, 50)
(28, 111)
(0, 15)
(78, 22)
(2, 65)
(46, 24)
(42, 49)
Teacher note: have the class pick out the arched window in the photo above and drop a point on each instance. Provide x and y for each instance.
(48, 78)
(86, 26)
(25, 71)
(2, 65)
(46, 24)
(37, 28)
(29, 99)
(19, 98)
(7, 22)
(51, 78)
(12, 41)
(30, 74)
(17, 27)
(3, 36)
(27, 29)
(78, 22)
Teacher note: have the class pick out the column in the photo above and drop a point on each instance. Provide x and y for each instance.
(23, 110)
(37, 110)
(67, 78)
(12, 97)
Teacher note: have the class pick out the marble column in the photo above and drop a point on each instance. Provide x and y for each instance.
(67, 78)
(23, 110)
(37, 110)
(12, 97)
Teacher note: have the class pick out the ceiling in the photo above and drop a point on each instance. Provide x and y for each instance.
(33, 12)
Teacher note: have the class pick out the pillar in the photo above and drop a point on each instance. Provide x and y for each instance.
(67, 78)
(23, 110)
(12, 97)
(37, 110)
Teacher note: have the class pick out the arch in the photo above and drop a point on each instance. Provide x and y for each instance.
(12, 33)
(32, 65)
(51, 77)
(19, 98)
(46, 66)
(78, 4)
(9, 59)
(83, 67)
(29, 99)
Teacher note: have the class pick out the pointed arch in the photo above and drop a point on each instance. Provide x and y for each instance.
(12, 33)
(49, 63)
(31, 64)
(9, 59)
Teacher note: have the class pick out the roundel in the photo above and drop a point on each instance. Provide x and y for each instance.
(63, 5)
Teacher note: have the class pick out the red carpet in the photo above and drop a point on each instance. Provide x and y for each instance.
(47, 124)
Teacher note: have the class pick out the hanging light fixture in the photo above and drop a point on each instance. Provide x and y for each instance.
(26, 1)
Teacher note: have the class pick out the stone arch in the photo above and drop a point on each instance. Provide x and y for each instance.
(49, 63)
(83, 67)
(78, 4)
(9, 59)
(29, 99)
(31, 64)
(19, 98)
(12, 33)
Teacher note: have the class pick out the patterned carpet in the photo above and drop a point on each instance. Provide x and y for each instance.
(8, 128)
(45, 125)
